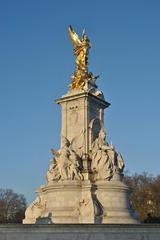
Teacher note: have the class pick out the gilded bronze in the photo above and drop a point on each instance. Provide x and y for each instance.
(81, 51)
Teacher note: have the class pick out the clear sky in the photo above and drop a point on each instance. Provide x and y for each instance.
(36, 62)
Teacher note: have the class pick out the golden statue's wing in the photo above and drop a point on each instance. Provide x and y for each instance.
(74, 37)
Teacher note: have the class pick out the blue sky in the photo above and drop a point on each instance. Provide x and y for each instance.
(36, 62)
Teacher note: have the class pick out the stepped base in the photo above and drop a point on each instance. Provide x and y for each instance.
(82, 202)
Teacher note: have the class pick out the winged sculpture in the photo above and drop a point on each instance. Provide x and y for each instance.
(67, 161)
(81, 51)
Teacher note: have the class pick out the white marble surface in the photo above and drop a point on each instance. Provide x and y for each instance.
(84, 179)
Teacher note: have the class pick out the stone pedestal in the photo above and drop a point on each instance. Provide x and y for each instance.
(64, 202)
(84, 180)
(114, 197)
(82, 111)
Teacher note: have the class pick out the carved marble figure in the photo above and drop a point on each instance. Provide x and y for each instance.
(105, 160)
(67, 161)
(35, 209)
(62, 158)
(102, 164)
(73, 167)
(53, 172)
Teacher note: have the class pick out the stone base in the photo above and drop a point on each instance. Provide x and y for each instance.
(114, 197)
(82, 202)
(63, 202)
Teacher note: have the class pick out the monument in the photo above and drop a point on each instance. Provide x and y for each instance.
(85, 176)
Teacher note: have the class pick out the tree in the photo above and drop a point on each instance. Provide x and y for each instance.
(12, 206)
(145, 196)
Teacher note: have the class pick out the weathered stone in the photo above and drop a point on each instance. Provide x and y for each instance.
(80, 231)
(84, 181)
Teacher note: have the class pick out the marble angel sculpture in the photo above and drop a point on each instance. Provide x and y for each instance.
(67, 162)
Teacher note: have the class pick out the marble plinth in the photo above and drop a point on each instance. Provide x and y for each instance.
(64, 202)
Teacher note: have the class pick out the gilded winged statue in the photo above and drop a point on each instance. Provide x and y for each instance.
(81, 51)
